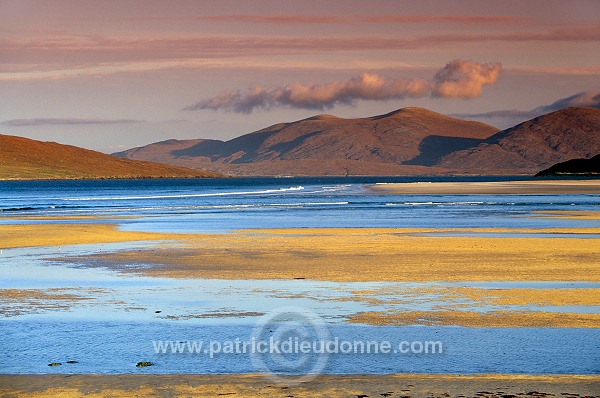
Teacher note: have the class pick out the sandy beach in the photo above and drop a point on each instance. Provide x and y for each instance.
(405, 385)
(354, 255)
(31, 235)
(365, 254)
(491, 188)
(341, 255)
(496, 319)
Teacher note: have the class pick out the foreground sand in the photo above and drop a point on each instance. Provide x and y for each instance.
(344, 255)
(355, 255)
(351, 255)
(335, 254)
(31, 235)
(405, 385)
(492, 188)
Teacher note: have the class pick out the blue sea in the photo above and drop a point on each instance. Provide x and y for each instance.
(114, 320)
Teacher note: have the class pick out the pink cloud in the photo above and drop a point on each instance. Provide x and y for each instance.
(457, 19)
(60, 52)
(65, 121)
(464, 79)
(276, 19)
(377, 19)
(459, 78)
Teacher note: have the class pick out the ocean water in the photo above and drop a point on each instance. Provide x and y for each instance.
(111, 320)
(226, 204)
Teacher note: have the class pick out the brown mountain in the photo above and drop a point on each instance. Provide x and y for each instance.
(23, 158)
(533, 145)
(407, 141)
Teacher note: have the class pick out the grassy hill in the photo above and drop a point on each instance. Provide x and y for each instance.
(23, 158)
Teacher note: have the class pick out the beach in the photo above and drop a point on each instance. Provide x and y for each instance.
(530, 269)
(352, 255)
(407, 385)
(535, 187)
(359, 255)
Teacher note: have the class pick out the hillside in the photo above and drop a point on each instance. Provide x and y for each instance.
(407, 141)
(533, 145)
(23, 158)
(583, 167)
(410, 141)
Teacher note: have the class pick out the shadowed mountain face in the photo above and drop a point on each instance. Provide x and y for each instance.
(22, 158)
(534, 144)
(587, 167)
(407, 141)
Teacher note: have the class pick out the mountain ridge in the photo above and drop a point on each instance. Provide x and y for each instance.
(382, 144)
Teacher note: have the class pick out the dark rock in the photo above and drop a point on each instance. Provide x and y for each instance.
(583, 167)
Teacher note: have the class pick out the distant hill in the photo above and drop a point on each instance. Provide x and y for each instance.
(23, 158)
(533, 145)
(584, 167)
(410, 141)
(407, 141)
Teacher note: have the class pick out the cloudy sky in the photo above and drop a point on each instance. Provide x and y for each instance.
(113, 74)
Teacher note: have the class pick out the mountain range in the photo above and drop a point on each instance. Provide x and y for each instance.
(409, 141)
(23, 158)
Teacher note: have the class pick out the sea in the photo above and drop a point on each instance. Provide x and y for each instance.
(70, 317)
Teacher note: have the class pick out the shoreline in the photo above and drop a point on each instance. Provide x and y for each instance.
(528, 187)
(332, 386)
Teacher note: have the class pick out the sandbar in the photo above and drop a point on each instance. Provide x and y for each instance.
(252, 385)
(573, 215)
(31, 235)
(358, 255)
(535, 187)
(494, 319)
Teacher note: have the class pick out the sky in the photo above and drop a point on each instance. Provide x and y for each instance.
(114, 74)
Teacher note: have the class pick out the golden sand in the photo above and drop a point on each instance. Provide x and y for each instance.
(29, 235)
(68, 217)
(368, 255)
(348, 255)
(540, 297)
(535, 187)
(245, 386)
(575, 215)
(496, 319)
(448, 297)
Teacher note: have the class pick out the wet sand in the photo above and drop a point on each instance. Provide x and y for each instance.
(361, 255)
(491, 188)
(494, 319)
(463, 297)
(405, 385)
(541, 297)
(573, 215)
(27, 301)
(358, 255)
(343, 255)
(31, 235)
